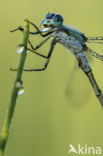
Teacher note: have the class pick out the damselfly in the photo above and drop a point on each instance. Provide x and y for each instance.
(75, 41)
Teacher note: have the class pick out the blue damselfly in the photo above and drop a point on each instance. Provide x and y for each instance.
(75, 41)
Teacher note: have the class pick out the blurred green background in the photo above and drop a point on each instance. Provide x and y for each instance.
(58, 107)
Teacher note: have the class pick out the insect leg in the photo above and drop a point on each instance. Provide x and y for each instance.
(39, 32)
(47, 61)
(33, 33)
(38, 46)
(18, 28)
(83, 64)
(22, 29)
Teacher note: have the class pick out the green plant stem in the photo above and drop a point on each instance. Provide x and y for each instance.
(16, 86)
(1, 152)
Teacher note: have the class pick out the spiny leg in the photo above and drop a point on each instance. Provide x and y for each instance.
(38, 30)
(18, 28)
(48, 58)
(83, 64)
(33, 33)
(22, 29)
(47, 62)
(38, 46)
(36, 52)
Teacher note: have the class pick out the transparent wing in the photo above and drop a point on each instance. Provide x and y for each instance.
(95, 40)
(95, 54)
(78, 89)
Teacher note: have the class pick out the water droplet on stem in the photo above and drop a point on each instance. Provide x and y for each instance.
(21, 91)
(20, 48)
(20, 87)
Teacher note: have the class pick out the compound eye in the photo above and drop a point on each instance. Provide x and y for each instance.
(58, 18)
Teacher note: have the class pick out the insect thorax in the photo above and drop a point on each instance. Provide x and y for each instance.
(68, 42)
